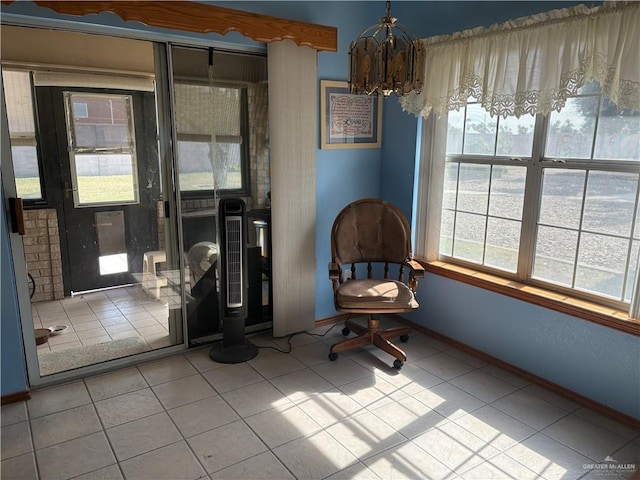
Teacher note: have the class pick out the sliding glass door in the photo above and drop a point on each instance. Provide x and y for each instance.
(221, 132)
(92, 165)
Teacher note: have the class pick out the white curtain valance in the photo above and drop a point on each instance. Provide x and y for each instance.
(530, 65)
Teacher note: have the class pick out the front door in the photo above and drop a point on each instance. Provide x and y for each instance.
(108, 172)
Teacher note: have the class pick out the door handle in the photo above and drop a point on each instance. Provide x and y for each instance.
(68, 191)
(16, 209)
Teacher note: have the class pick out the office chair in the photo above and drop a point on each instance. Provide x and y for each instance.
(372, 234)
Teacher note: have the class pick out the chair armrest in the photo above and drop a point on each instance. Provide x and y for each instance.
(418, 269)
(334, 271)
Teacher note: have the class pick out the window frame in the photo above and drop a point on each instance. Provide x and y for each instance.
(534, 166)
(74, 150)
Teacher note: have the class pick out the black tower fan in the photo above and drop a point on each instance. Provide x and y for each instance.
(235, 348)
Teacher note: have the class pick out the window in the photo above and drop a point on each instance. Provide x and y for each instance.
(551, 200)
(212, 131)
(102, 149)
(80, 110)
(196, 169)
(22, 132)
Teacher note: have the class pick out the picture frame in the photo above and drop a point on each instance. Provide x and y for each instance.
(347, 120)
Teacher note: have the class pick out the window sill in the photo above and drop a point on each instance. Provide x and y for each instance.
(606, 316)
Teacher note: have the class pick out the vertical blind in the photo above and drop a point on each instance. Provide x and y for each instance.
(293, 127)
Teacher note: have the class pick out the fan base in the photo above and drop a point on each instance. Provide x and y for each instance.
(233, 354)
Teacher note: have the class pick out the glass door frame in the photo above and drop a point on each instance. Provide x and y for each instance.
(172, 225)
(17, 247)
(168, 164)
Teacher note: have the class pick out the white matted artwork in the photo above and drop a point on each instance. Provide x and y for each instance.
(347, 120)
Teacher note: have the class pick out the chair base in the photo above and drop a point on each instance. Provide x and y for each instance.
(372, 335)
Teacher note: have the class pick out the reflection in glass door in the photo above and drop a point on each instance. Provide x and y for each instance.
(99, 248)
(221, 128)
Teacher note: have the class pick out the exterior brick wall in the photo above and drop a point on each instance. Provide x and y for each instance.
(42, 252)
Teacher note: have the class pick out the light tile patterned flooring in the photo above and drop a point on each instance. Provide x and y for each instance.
(103, 316)
(283, 416)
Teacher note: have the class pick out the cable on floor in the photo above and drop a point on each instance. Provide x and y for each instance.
(289, 337)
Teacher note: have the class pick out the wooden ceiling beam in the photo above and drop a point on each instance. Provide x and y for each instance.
(203, 18)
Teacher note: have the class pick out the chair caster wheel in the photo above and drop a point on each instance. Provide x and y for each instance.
(397, 364)
(333, 356)
(404, 338)
(346, 331)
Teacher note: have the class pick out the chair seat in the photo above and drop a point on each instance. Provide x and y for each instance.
(375, 294)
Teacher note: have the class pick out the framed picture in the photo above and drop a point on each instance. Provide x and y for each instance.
(348, 121)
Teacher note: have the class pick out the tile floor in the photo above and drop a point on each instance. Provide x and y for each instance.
(104, 316)
(282, 416)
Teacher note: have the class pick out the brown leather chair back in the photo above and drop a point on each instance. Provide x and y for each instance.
(370, 230)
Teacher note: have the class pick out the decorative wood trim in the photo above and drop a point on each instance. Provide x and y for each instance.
(565, 392)
(606, 316)
(15, 397)
(203, 18)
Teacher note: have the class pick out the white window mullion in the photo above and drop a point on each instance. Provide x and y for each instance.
(532, 197)
(634, 307)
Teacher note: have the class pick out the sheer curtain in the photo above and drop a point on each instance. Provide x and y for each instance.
(530, 65)
(524, 66)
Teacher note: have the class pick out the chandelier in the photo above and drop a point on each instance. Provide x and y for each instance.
(385, 59)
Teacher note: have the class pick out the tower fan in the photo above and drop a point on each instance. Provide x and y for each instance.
(235, 348)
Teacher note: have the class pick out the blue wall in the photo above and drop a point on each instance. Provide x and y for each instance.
(589, 359)
(14, 369)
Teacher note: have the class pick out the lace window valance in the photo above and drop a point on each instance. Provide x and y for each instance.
(530, 65)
